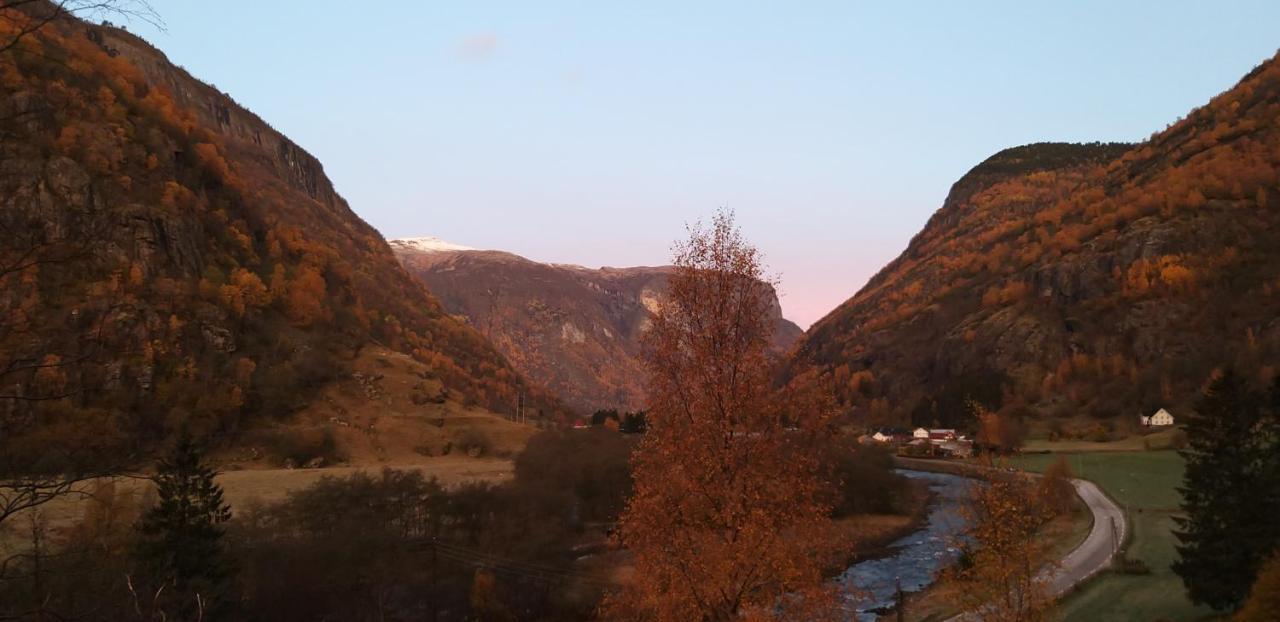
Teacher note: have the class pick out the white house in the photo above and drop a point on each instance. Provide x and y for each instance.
(1161, 418)
(921, 433)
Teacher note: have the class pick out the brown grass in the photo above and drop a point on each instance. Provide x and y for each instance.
(1157, 440)
(374, 419)
(375, 423)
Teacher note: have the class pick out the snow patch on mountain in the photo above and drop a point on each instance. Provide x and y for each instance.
(428, 244)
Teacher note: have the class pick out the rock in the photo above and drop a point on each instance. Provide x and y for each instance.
(68, 181)
(218, 338)
(573, 329)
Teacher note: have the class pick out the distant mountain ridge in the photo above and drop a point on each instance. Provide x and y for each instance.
(576, 330)
(426, 245)
(1099, 280)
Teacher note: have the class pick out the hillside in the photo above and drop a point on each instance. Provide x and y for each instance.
(576, 330)
(171, 261)
(1069, 281)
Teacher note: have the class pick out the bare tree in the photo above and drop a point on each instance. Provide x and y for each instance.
(31, 15)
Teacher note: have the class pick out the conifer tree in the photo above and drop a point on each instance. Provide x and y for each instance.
(1229, 494)
(180, 539)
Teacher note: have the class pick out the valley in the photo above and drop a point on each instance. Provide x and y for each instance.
(226, 395)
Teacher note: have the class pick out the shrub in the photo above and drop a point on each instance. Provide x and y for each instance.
(1055, 486)
(1125, 565)
(297, 447)
(865, 481)
(589, 469)
(474, 442)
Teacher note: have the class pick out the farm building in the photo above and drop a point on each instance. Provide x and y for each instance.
(1162, 417)
(892, 435)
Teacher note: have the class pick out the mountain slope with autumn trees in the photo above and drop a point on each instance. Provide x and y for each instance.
(575, 330)
(1068, 281)
(171, 261)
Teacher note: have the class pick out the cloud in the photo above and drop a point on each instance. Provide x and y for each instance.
(478, 47)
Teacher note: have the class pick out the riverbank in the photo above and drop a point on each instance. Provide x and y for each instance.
(1060, 537)
(871, 536)
(913, 560)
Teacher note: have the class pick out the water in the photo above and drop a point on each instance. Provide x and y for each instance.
(916, 558)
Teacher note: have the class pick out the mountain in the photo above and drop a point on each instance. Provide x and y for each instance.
(576, 330)
(170, 261)
(1071, 281)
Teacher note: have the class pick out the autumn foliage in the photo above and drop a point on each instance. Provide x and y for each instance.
(187, 264)
(1001, 579)
(729, 500)
(1118, 253)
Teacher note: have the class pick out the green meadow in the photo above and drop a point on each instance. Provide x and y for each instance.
(1146, 484)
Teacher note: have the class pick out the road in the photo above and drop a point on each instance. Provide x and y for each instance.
(1095, 553)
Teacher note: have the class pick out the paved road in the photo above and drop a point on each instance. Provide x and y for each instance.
(1095, 553)
(1091, 556)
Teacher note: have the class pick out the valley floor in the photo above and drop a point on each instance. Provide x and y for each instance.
(1062, 535)
(1145, 484)
(245, 488)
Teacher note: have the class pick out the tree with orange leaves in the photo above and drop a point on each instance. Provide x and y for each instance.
(1001, 579)
(306, 297)
(729, 505)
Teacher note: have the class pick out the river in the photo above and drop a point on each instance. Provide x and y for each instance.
(914, 559)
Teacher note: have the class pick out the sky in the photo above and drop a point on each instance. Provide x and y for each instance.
(592, 132)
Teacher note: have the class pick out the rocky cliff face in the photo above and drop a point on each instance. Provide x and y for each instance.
(169, 260)
(1078, 279)
(576, 330)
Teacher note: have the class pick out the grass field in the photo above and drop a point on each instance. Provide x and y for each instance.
(1145, 483)
(245, 488)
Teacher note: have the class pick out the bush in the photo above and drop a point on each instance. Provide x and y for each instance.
(1124, 565)
(298, 447)
(1055, 486)
(587, 469)
(864, 478)
(1099, 433)
(474, 442)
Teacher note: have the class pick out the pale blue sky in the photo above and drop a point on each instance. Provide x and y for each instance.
(590, 132)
